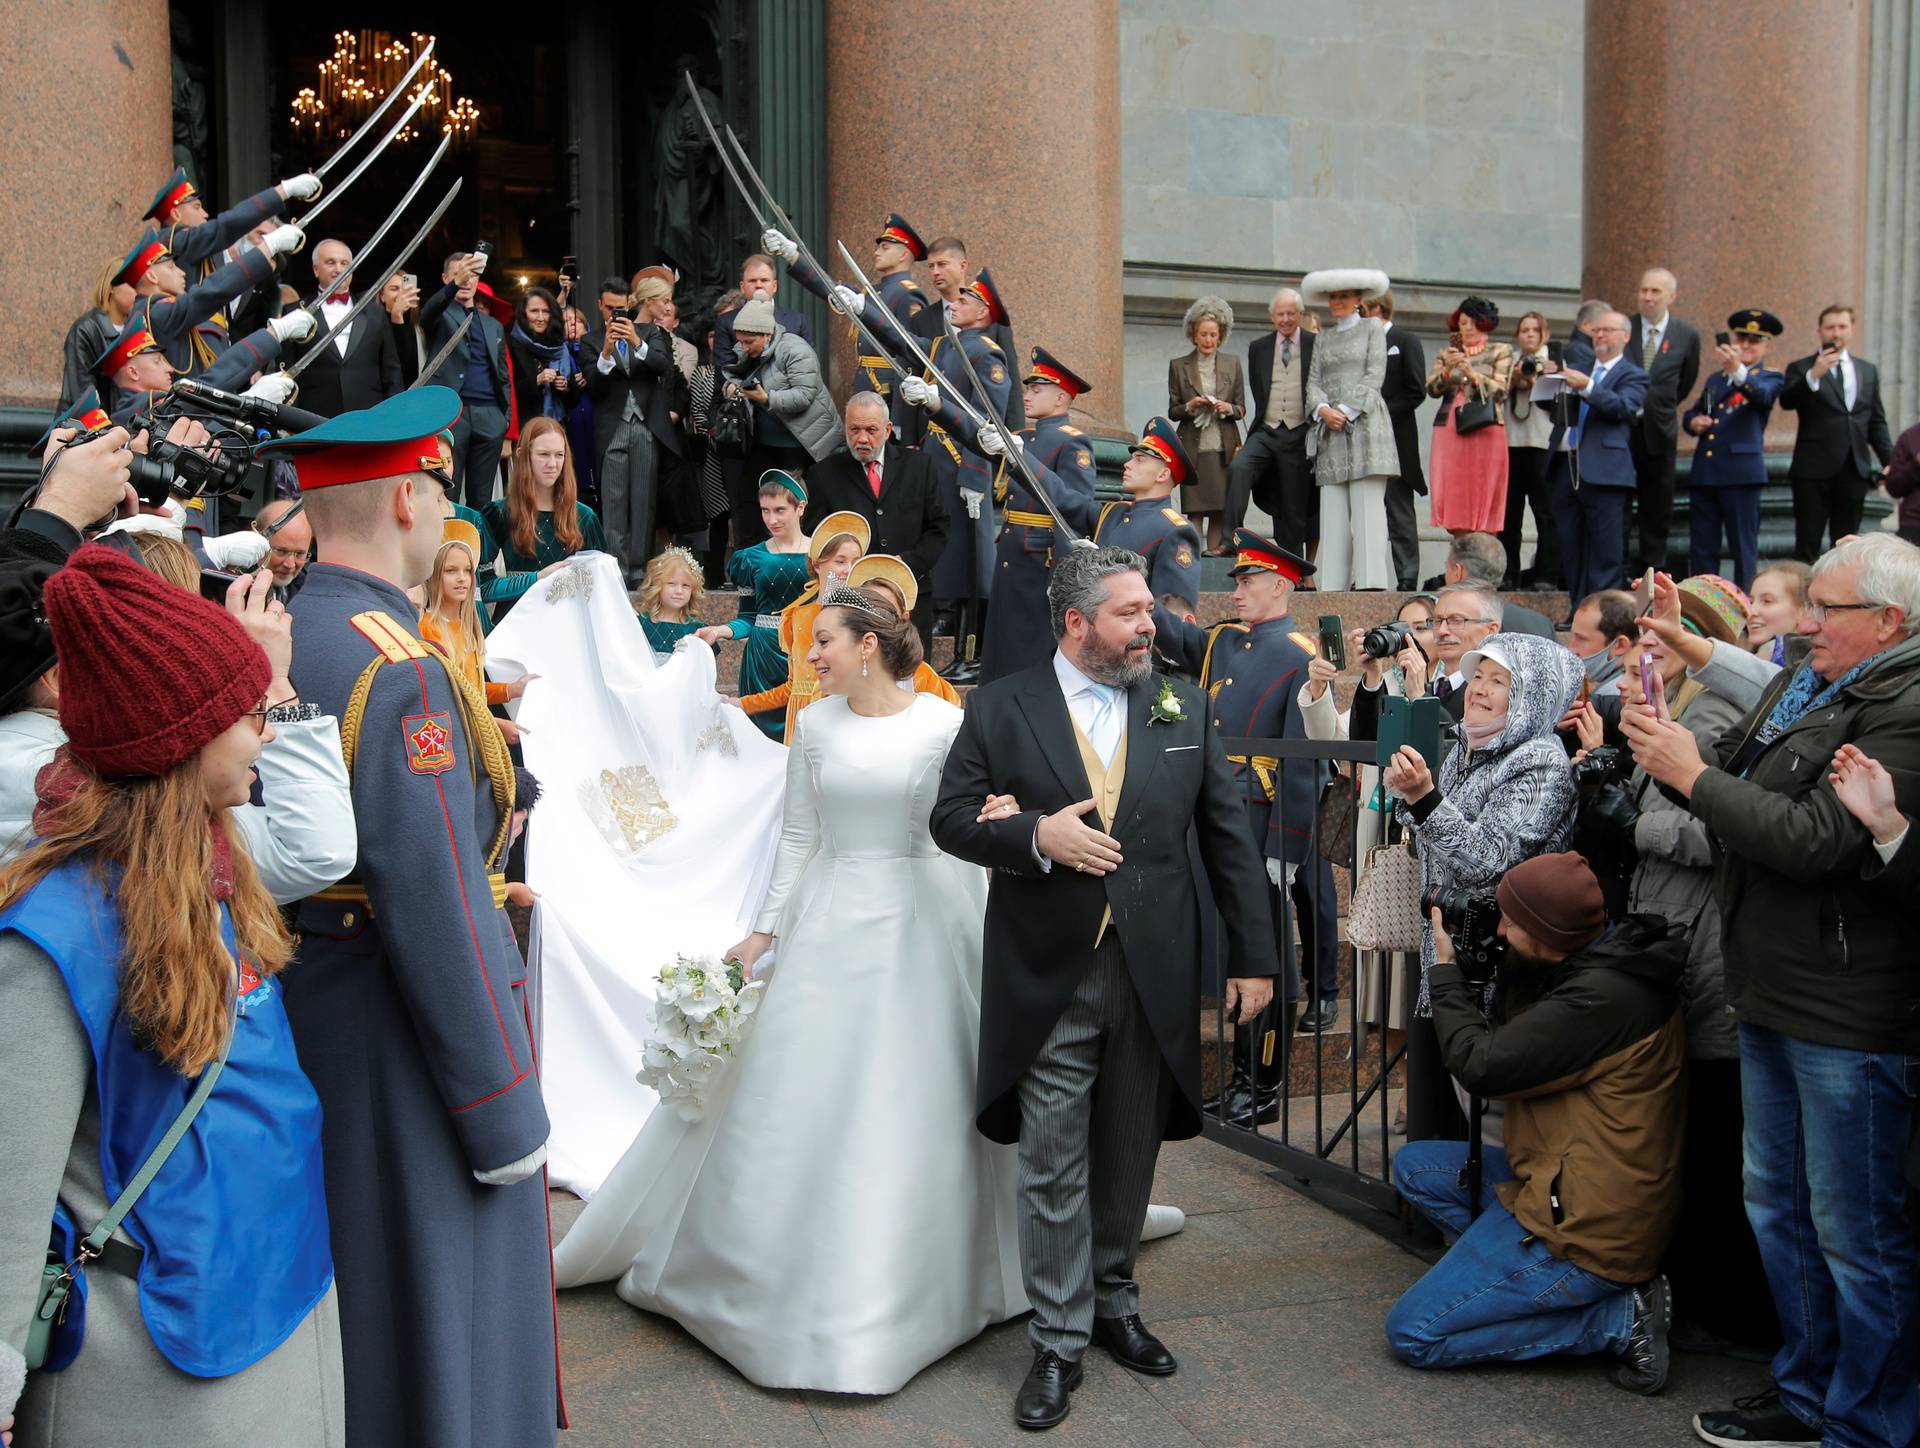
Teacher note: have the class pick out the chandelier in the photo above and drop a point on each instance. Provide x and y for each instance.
(363, 68)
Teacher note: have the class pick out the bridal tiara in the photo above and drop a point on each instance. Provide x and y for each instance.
(860, 602)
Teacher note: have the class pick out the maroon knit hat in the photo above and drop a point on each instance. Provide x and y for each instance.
(1554, 898)
(149, 673)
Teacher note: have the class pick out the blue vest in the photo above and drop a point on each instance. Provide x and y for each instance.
(234, 1226)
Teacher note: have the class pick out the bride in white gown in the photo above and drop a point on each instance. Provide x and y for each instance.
(834, 1221)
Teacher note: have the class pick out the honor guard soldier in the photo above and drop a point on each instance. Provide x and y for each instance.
(1148, 523)
(1729, 461)
(895, 250)
(409, 1013)
(963, 574)
(172, 312)
(133, 372)
(1253, 670)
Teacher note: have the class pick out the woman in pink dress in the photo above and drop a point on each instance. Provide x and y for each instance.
(1469, 470)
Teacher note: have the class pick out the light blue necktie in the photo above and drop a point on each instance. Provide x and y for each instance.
(1104, 734)
(1580, 422)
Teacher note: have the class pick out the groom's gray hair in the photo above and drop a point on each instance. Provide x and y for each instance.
(1079, 580)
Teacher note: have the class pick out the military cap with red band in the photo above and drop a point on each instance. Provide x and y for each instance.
(1159, 439)
(982, 287)
(396, 437)
(136, 263)
(896, 229)
(176, 189)
(1043, 366)
(1254, 554)
(124, 348)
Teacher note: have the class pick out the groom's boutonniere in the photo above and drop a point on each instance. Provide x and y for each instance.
(1167, 708)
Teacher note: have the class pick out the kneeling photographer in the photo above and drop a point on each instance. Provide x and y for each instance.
(1561, 1252)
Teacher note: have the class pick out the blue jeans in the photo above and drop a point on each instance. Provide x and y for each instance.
(1498, 1295)
(1825, 1149)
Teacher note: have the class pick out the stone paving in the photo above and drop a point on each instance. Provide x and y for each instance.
(1272, 1301)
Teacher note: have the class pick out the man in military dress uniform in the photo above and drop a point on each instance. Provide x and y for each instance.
(963, 577)
(1148, 523)
(172, 312)
(895, 250)
(1729, 461)
(1253, 670)
(409, 1010)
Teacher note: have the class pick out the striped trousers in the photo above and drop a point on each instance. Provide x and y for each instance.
(1093, 1106)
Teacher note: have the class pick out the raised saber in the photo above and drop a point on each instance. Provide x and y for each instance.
(377, 112)
(874, 299)
(302, 363)
(380, 233)
(725, 160)
(440, 357)
(1007, 443)
(426, 92)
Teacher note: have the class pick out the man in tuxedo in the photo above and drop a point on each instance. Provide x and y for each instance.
(476, 371)
(1403, 392)
(360, 366)
(756, 279)
(1591, 478)
(1089, 1002)
(892, 487)
(631, 383)
(1843, 426)
(1668, 351)
(1271, 467)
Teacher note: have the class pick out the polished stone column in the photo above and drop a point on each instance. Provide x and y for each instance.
(997, 121)
(86, 109)
(1893, 207)
(1734, 154)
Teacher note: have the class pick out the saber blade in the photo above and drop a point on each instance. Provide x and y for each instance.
(380, 234)
(378, 111)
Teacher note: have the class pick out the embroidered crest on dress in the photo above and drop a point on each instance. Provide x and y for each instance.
(717, 736)
(575, 578)
(626, 806)
(429, 742)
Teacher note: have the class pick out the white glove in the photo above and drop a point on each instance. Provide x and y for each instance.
(847, 300)
(973, 501)
(918, 392)
(777, 243)
(170, 523)
(285, 237)
(1278, 872)
(989, 443)
(274, 386)
(514, 1171)
(295, 326)
(303, 187)
(240, 552)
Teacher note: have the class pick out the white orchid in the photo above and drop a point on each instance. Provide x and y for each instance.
(699, 1018)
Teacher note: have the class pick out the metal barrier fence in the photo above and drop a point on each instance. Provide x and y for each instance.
(1349, 1147)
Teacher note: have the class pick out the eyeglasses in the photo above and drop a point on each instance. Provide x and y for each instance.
(289, 554)
(257, 717)
(1460, 620)
(1817, 612)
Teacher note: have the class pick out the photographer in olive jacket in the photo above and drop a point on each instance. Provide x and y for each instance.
(1575, 1209)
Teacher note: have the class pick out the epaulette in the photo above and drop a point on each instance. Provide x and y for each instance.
(992, 345)
(1070, 430)
(387, 636)
(1308, 644)
(1175, 517)
(910, 285)
(1226, 624)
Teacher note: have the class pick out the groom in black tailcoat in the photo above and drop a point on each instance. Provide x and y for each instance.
(1089, 1002)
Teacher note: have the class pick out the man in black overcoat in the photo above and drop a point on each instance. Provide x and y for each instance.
(1089, 1009)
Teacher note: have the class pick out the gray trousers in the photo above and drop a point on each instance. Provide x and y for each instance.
(626, 497)
(1403, 531)
(1092, 1108)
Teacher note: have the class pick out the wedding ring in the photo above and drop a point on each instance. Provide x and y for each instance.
(1081, 866)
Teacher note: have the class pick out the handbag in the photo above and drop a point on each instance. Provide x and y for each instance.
(57, 1276)
(731, 426)
(1384, 913)
(1474, 413)
(1339, 815)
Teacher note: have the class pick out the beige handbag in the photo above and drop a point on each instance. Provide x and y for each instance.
(1384, 913)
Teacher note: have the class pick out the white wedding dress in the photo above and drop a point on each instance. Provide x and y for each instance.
(834, 1221)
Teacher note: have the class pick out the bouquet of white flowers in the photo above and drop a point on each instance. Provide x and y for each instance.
(700, 1018)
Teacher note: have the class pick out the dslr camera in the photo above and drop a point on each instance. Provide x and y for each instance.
(1472, 921)
(1384, 640)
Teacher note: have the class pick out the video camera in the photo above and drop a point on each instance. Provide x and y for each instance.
(220, 466)
(1472, 920)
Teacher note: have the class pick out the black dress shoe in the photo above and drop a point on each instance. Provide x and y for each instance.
(1320, 1016)
(1043, 1399)
(962, 671)
(1129, 1343)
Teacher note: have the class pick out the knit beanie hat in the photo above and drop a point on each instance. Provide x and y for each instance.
(1714, 607)
(26, 643)
(755, 316)
(149, 673)
(1555, 899)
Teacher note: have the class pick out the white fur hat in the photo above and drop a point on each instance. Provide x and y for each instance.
(1317, 286)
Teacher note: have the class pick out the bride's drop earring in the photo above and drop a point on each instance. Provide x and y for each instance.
(863, 668)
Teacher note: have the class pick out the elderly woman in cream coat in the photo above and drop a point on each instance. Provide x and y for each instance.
(1351, 440)
(1206, 395)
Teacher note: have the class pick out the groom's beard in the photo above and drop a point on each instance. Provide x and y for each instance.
(1122, 667)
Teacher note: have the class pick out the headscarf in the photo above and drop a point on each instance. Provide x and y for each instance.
(1545, 681)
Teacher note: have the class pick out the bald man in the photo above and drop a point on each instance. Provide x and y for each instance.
(360, 366)
(1668, 351)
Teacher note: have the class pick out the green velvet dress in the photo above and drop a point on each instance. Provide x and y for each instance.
(768, 582)
(523, 572)
(663, 635)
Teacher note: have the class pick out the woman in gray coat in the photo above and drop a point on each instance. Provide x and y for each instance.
(780, 374)
(1354, 454)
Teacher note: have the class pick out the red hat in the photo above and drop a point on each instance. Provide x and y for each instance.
(150, 674)
(1554, 898)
